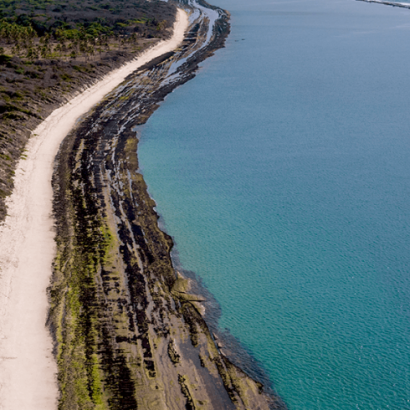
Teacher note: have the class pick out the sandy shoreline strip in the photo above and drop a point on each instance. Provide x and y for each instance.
(27, 366)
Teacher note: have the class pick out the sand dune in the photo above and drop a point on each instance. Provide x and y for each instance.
(27, 366)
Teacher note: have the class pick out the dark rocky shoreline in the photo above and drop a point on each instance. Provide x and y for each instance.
(128, 331)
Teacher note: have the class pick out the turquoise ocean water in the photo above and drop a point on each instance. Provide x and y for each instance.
(283, 173)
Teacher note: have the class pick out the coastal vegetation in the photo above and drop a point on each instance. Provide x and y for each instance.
(52, 49)
(53, 29)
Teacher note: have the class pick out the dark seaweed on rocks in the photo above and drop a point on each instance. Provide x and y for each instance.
(128, 333)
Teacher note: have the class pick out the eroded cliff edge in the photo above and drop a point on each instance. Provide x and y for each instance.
(128, 333)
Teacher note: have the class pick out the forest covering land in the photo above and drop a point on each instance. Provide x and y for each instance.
(51, 49)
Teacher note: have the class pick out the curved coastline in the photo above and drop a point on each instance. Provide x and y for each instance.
(27, 248)
(152, 333)
(143, 339)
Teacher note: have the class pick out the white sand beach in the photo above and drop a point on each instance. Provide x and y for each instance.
(27, 366)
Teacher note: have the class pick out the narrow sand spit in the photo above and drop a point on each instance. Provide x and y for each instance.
(27, 367)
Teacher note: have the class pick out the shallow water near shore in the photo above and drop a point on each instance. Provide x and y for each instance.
(282, 171)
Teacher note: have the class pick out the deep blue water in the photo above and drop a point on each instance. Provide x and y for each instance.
(283, 173)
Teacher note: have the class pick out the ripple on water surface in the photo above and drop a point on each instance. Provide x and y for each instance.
(282, 172)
